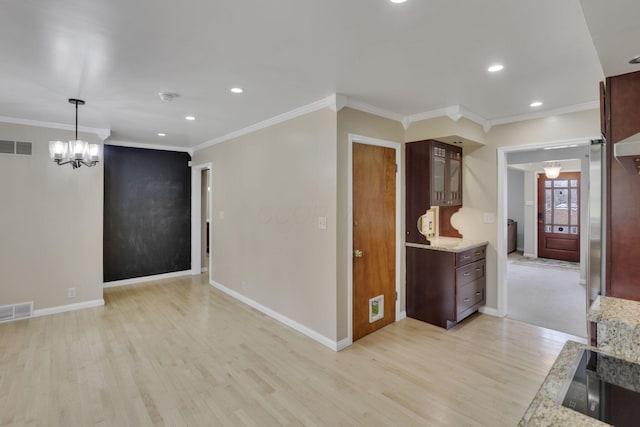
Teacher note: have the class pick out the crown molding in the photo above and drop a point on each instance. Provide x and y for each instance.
(332, 102)
(341, 101)
(102, 133)
(337, 102)
(372, 109)
(594, 105)
(441, 112)
(149, 146)
(454, 112)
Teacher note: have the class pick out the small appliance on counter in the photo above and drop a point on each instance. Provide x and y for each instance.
(428, 223)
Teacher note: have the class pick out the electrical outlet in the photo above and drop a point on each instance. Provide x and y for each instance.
(489, 218)
(71, 293)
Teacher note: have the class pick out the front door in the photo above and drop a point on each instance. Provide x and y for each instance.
(559, 217)
(374, 238)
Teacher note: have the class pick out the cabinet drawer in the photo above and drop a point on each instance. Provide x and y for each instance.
(470, 272)
(469, 295)
(470, 255)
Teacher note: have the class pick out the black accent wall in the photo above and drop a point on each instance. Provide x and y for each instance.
(147, 212)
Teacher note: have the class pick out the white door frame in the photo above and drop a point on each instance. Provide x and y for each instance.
(398, 148)
(501, 246)
(196, 217)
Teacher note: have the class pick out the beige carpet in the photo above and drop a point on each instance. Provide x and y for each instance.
(547, 296)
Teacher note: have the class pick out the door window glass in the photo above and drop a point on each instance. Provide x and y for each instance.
(561, 213)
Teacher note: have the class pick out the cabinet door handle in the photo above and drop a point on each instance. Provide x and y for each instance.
(478, 269)
(478, 293)
(466, 299)
(478, 253)
(466, 256)
(467, 274)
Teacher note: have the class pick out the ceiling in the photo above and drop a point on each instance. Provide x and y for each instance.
(408, 59)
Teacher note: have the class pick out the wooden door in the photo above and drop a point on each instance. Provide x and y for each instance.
(374, 236)
(559, 217)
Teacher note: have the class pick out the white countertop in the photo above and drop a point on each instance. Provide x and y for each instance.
(449, 244)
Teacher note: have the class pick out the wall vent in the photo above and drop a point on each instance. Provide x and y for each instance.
(7, 147)
(15, 147)
(23, 148)
(16, 311)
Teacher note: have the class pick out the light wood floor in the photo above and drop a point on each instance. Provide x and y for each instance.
(178, 352)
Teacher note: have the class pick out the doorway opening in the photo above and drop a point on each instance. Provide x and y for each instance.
(542, 255)
(374, 234)
(201, 198)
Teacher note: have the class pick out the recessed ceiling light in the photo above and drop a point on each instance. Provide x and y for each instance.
(635, 60)
(398, 1)
(535, 104)
(162, 134)
(495, 68)
(237, 90)
(190, 118)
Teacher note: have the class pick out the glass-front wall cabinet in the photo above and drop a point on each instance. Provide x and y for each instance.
(446, 179)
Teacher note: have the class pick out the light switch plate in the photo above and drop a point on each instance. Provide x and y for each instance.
(489, 218)
(322, 222)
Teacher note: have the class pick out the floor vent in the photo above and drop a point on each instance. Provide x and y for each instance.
(16, 311)
(16, 147)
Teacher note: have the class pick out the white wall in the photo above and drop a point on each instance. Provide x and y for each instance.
(530, 223)
(515, 203)
(268, 190)
(50, 223)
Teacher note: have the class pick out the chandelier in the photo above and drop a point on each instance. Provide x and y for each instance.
(76, 152)
(552, 171)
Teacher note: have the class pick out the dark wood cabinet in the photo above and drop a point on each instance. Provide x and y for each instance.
(621, 120)
(433, 178)
(445, 287)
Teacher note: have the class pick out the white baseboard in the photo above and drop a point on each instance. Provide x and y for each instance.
(342, 344)
(530, 255)
(333, 345)
(204, 269)
(68, 307)
(136, 280)
(403, 315)
(520, 249)
(489, 310)
(583, 282)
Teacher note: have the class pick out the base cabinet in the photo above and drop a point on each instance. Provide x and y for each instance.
(444, 287)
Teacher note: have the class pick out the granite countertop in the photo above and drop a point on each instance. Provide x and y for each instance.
(618, 326)
(449, 244)
(544, 409)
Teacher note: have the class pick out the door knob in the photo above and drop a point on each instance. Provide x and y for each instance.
(357, 253)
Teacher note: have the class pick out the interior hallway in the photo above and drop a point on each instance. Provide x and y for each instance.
(178, 352)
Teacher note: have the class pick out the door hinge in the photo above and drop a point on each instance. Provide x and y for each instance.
(396, 295)
(396, 168)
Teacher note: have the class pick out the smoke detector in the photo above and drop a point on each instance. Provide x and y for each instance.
(168, 96)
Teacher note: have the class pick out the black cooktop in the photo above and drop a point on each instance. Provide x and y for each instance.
(605, 388)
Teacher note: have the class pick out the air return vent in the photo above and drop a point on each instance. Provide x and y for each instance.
(7, 147)
(15, 147)
(23, 148)
(16, 311)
